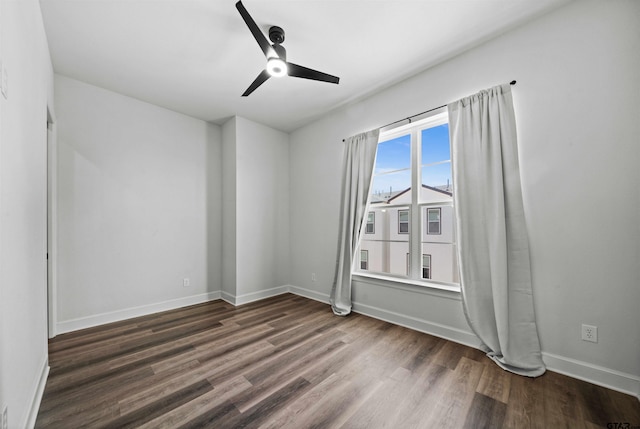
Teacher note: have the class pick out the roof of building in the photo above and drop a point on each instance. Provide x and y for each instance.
(389, 197)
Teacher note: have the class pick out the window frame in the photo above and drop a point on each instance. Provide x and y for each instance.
(428, 222)
(372, 223)
(416, 205)
(365, 260)
(408, 222)
(428, 268)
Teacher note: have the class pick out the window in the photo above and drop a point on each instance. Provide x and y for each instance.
(426, 266)
(371, 223)
(433, 221)
(408, 264)
(364, 259)
(403, 221)
(409, 231)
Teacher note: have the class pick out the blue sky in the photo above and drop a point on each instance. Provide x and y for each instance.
(395, 154)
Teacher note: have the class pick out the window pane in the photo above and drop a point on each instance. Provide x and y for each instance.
(364, 260)
(370, 227)
(426, 273)
(426, 266)
(436, 162)
(403, 221)
(392, 173)
(435, 144)
(387, 249)
(394, 154)
(443, 263)
(438, 241)
(426, 261)
(438, 177)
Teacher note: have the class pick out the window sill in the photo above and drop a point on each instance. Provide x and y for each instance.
(429, 288)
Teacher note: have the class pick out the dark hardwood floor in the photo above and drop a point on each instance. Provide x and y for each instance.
(288, 362)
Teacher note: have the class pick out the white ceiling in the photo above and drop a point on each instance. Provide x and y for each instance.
(197, 57)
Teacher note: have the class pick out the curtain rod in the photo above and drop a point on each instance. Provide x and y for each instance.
(408, 118)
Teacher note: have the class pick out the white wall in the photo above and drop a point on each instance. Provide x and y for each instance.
(23, 143)
(576, 108)
(263, 207)
(138, 206)
(256, 222)
(229, 188)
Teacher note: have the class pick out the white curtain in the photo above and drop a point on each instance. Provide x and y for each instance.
(493, 245)
(359, 161)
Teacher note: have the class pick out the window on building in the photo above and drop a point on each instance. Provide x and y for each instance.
(433, 221)
(408, 264)
(371, 223)
(411, 203)
(364, 259)
(426, 266)
(403, 221)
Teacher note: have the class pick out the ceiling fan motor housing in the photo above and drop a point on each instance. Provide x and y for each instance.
(276, 35)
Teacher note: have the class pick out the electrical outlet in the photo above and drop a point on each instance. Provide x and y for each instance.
(313, 277)
(186, 282)
(590, 333)
(5, 419)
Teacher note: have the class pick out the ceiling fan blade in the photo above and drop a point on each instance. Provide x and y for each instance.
(262, 77)
(255, 30)
(306, 73)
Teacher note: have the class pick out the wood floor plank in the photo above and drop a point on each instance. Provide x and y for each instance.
(456, 395)
(146, 394)
(261, 411)
(525, 406)
(291, 415)
(195, 409)
(288, 362)
(420, 400)
(561, 404)
(160, 406)
(495, 383)
(265, 385)
(485, 412)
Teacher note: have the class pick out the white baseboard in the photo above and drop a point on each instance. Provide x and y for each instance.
(226, 296)
(37, 395)
(421, 325)
(605, 377)
(308, 293)
(128, 313)
(254, 296)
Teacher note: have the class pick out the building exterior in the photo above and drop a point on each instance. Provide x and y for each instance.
(385, 246)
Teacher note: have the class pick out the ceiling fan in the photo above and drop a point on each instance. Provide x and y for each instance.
(277, 64)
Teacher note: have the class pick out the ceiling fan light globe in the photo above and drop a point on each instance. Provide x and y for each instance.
(276, 67)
